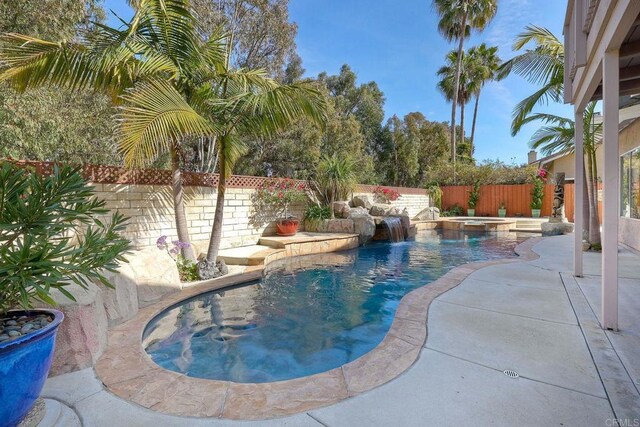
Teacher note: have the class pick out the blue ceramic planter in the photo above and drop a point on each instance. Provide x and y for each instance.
(24, 366)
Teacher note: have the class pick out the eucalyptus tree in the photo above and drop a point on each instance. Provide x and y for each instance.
(558, 136)
(485, 67)
(457, 19)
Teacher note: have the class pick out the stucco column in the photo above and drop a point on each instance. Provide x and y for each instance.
(611, 189)
(578, 194)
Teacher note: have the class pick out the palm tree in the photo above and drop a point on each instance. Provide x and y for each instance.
(336, 178)
(543, 65)
(158, 52)
(250, 103)
(457, 19)
(558, 135)
(486, 63)
(467, 86)
(172, 85)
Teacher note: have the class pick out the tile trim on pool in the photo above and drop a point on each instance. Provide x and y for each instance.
(127, 371)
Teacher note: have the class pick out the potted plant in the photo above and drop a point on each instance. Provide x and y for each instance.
(536, 197)
(277, 195)
(51, 237)
(474, 197)
(502, 210)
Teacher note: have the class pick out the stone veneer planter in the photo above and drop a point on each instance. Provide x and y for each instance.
(127, 371)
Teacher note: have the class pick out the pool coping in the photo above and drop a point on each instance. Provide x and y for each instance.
(127, 371)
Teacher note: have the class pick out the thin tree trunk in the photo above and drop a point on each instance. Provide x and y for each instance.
(594, 221)
(462, 141)
(456, 88)
(178, 204)
(473, 124)
(585, 204)
(216, 230)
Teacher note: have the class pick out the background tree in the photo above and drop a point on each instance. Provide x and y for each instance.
(262, 36)
(457, 19)
(486, 64)
(48, 124)
(468, 82)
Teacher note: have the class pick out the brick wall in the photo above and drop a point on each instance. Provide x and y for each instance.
(150, 208)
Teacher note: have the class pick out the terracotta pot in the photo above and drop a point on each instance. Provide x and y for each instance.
(287, 227)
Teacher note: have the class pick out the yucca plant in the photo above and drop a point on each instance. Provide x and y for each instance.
(336, 178)
(52, 236)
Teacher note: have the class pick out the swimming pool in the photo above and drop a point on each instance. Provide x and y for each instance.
(311, 314)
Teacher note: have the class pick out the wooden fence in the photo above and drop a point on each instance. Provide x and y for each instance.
(517, 199)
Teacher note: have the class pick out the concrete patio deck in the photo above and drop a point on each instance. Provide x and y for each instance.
(531, 317)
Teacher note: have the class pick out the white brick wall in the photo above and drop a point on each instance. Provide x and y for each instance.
(151, 210)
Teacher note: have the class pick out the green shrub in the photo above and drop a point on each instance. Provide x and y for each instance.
(474, 196)
(317, 213)
(454, 210)
(53, 233)
(537, 194)
(435, 193)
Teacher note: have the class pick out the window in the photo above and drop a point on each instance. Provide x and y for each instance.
(630, 184)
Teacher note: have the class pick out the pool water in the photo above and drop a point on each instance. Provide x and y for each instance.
(310, 314)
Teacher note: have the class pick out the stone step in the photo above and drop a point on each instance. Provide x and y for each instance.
(247, 255)
(280, 242)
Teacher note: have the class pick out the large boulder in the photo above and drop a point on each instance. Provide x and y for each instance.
(82, 337)
(155, 273)
(363, 225)
(339, 226)
(383, 210)
(379, 209)
(341, 209)
(556, 228)
(121, 301)
(428, 214)
(361, 202)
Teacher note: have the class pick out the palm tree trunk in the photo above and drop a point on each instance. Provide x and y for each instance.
(456, 88)
(473, 124)
(462, 122)
(585, 204)
(594, 221)
(216, 230)
(178, 204)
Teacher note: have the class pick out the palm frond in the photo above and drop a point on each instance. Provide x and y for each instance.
(154, 116)
(543, 95)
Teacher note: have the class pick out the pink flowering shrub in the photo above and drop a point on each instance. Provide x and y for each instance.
(277, 194)
(385, 195)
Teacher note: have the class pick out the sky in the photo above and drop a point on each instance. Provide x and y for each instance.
(396, 44)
